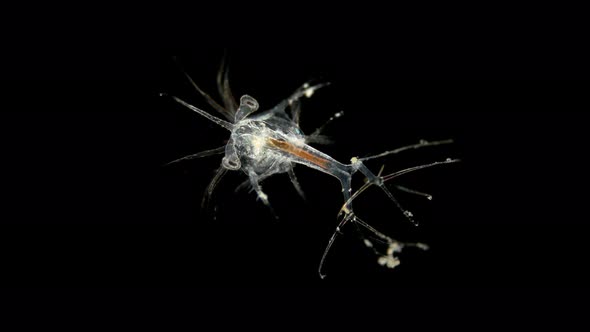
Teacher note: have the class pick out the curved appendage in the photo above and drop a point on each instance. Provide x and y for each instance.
(225, 112)
(211, 187)
(224, 89)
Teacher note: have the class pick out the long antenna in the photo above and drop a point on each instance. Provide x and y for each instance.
(223, 123)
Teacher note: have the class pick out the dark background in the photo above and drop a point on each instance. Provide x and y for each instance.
(88, 203)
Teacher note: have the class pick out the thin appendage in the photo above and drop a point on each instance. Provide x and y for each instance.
(421, 144)
(414, 192)
(345, 182)
(319, 139)
(254, 180)
(319, 130)
(228, 115)
(295, 107)
(375, 232)
(245, 184)
(201, 154)
(227, 125)
(305, 90)
(223, 87)
(343, 222)
(211, 187)
(416, 168)
(295, 182)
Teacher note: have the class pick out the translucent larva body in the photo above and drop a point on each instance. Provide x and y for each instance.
(271, 142)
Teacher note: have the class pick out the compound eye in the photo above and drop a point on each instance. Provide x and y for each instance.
(231, 163)
(249, 101)
(248, 105)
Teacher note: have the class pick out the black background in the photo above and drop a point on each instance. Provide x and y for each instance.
(88, 203)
